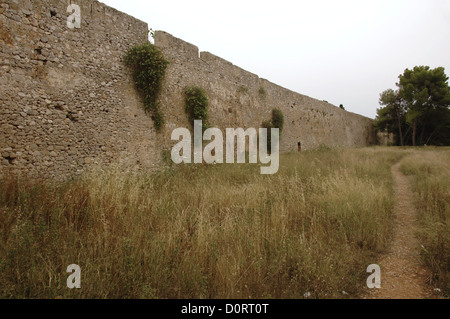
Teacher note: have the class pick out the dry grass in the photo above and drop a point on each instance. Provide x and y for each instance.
(220, 231)
(430, 169)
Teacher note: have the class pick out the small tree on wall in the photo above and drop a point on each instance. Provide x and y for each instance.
(277, 121)
(149, 67)
(196, 105)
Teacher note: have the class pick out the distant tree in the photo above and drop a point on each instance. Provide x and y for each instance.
(419, 110)
(392, 117)
(342, 107)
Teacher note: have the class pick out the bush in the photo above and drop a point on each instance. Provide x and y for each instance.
(262, 92)
(196, 105)
(149, 67)
(243, 89)
(278, 119)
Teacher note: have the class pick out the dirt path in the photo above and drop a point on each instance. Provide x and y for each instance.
(402, 277)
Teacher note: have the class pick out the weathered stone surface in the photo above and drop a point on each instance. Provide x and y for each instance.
(55, 83)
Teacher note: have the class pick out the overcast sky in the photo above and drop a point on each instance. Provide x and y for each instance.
(345, 52)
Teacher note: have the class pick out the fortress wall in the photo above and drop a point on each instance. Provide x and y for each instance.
(239, 98)
(67, 100)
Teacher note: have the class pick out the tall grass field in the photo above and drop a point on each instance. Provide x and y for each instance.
(430, 173)
(220, 231)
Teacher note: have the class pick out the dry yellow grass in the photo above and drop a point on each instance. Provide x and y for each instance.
(220, 231)
(430, 171)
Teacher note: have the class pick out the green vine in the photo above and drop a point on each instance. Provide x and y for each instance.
(149, 67)
(262, 92)
(196, 105)
(277, 121)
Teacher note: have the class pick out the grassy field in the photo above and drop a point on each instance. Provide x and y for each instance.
(218, 231)
(430, 171)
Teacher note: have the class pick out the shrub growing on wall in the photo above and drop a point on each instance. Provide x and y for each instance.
(262, 92)
(149, 67)
(196, 105)
(277, 121)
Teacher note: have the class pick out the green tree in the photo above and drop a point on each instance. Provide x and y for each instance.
(278, 119)
(392, 117)
(418, 112)
(427, 96)
(196, 105)
(149, 68)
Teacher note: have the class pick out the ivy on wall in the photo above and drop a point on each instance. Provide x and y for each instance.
(277, 121)
(196, 105)
(149, 67)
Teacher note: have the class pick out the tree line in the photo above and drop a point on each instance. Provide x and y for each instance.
(417, 113)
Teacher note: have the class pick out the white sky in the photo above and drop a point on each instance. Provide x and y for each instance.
(346, 52)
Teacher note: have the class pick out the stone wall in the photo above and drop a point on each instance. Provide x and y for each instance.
(68, 101)
(239, 98)
(66, 98)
